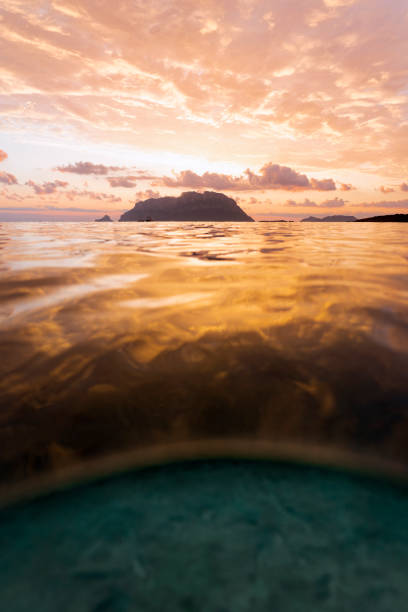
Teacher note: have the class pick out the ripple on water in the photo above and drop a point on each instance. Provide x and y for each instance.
(120, 336)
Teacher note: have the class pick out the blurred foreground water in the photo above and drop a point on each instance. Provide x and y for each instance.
(218, 536)
(118, 337)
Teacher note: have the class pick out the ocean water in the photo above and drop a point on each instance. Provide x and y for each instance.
(213, 536)
(121, 337)
(125, 346)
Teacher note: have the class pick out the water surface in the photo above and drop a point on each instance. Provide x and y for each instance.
(128, 336)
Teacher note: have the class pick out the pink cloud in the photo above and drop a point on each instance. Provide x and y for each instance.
(270, 176)
(142, 175)
(404, 187)
(222, 78)
(334, 203)
(87, 168)
(396, 204)
(147, 195)
(3, 155)
(323, 185)
(47, 187)
(73, 194)
(7, 178)
(306, 204)
(122, 181)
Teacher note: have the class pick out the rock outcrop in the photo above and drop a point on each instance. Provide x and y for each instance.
(104, 218)
(397, 218)
(189, 206)
(331, 218)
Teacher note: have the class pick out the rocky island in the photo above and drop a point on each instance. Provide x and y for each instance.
(397, 218)
(331, 218)
(103, 219)
(189, 206)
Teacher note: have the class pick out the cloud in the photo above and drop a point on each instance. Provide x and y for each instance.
(122, 181)
(146, 195)
(334, 203)
(73, 194)
(3, 155)
(88, 168)
(270, 176)
(252, 201)
(385, 204)
(306, 204)
(75, 209)
(7, 178)
(384, 189)
(213, 180)
(403, 187)
(47, 187)
(346, 187)
(324, 185)
(215, 79)
(142, 175)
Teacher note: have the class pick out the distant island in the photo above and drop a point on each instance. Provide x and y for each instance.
(397, 218)
(103, 219)
(332, 218)
(189, 206)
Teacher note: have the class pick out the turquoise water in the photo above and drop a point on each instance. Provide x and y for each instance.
(216, 536)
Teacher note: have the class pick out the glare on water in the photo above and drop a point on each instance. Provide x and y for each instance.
(124, 336)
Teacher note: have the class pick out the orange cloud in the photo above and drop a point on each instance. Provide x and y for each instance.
(270, 176)
(214, 80)
(384, 189)
(3, 155)
(346, 187)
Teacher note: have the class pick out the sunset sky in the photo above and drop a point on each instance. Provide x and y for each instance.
(292, 107)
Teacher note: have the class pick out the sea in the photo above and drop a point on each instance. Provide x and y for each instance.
(126, 336)
(273, 354)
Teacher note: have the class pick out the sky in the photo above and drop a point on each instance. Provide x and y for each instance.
(291, 107)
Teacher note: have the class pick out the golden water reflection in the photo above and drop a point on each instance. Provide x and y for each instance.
(124, 336)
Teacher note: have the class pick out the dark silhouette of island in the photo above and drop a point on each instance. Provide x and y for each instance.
(189, 206)
(398, 218)
(335, 218)
(104, 218)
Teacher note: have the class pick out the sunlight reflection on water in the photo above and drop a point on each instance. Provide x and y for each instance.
(120, 336)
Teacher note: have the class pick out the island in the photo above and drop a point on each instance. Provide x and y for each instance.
(331, 218)
(397, 218)
(103, 219)
(189, 206)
